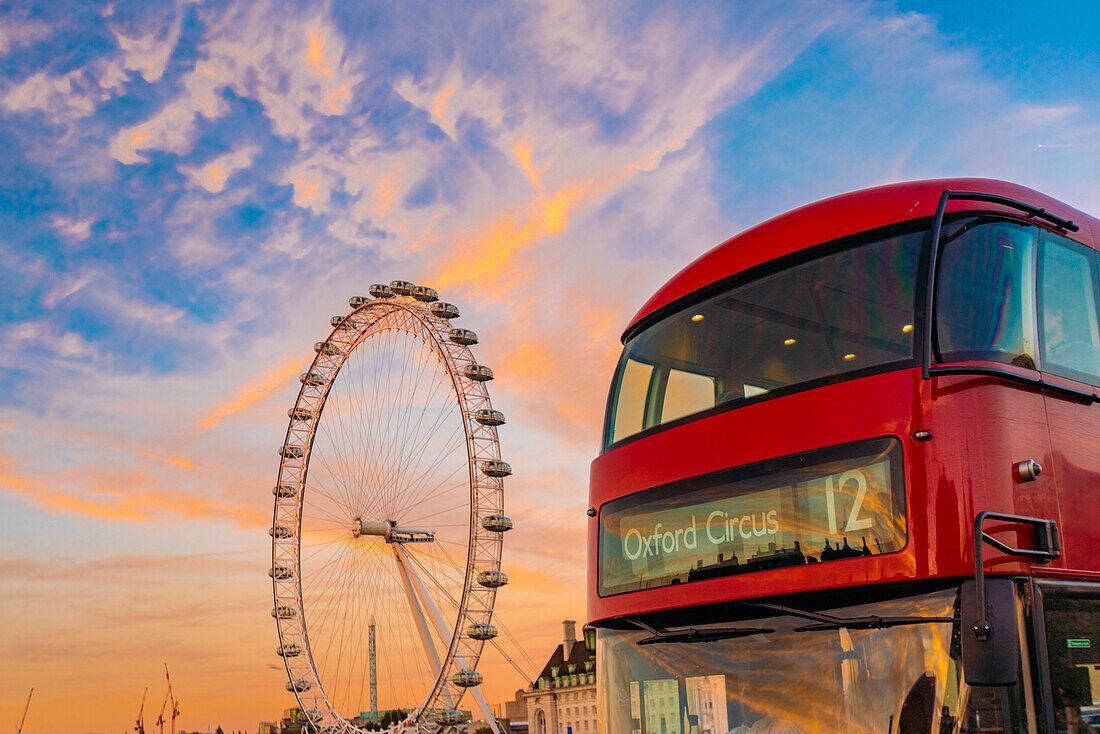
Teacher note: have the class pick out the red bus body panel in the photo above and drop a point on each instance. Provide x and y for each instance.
(981, 426)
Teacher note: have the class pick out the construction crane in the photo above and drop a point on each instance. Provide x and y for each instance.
(160, 717)
(168, 696)
(140, 728)
(20, 729)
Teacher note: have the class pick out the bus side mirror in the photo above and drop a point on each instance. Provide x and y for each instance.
(994, 660)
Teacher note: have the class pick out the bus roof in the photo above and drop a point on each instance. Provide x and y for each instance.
(842, 216)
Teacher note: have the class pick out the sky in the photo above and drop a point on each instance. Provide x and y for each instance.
(190, 190)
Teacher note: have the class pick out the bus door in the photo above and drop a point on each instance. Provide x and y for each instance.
(1067, 637)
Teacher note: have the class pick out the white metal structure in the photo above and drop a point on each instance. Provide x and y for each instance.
(389, 511)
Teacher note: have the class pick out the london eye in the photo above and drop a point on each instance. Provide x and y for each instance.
(389, 519)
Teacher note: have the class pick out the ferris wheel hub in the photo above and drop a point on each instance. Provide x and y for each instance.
(391, 531)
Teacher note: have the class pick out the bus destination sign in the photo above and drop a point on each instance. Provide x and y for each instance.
(828, 505)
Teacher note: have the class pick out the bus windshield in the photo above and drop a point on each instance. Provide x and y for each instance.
(842, 312)
(895, 679)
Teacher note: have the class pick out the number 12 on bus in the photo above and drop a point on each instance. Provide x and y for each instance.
(850, 472)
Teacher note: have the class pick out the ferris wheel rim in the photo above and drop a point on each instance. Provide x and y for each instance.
(485, 499)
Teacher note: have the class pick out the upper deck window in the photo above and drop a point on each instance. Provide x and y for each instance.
(1068, 293)
(1011, 292)
(839, 313)
(985, 292)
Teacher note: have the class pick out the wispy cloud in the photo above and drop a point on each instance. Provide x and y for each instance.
(121, 495)
(254, 392)
(213, 174)
(148, 54)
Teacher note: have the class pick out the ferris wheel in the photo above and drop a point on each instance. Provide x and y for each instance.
(388, 521)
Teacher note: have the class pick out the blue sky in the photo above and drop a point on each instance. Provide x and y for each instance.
(188, 191)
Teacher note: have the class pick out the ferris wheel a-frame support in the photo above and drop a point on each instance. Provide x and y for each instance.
(414, 589)
(405, 569)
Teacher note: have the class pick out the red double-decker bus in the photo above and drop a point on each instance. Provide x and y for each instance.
(850, 476)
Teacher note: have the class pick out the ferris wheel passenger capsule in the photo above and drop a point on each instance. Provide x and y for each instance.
(492, 579)
(477, 372)
(481, 631)
(282, 573)
(467, 678)
(326, 348)
(496, 523)
(449, 717)
(300, 414)
(285, 490)
(401, 287)
(488, 417)
(291, 452)
(357, 301)
(424, 293)
(381, 290)
(284, 612)
(336, 320)
(298, 685)
(444, 310)
(289, 651)
(279, 531)
(465, 337)
(496, 468)
(311, 378)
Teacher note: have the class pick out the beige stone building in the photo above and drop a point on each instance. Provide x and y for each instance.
(562, 700)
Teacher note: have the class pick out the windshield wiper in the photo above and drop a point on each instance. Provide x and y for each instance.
(691, 634)
(829, 622)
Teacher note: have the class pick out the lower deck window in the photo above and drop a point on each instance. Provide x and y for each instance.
(903, 679)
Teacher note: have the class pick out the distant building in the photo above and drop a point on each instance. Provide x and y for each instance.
(562, 700)
(294, 722)
(268, 727)
(512, 715)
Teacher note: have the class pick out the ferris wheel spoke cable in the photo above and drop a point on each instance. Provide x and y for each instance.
(417, 485)
(323, 482)
(412, 457)
(334, 428)
(324, 511)
(444, 511)
(373, 435)
(495, 643)
(329, 578)
(419, 491)
(336, 621)
(343, 477)
(499, 623)
(409, 459)
(366, 452)
(348, 629)
(443, 456)
(339, 493)
(394, 404)
(350, 642)
(409, 427)
(320, 507)
(323, 502)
